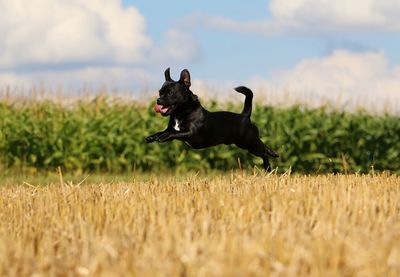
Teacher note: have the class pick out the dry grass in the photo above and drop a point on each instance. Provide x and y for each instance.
(231, 225)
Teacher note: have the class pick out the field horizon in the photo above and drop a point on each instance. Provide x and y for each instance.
(284, 100)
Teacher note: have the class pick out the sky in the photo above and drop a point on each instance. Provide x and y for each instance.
(344, 52)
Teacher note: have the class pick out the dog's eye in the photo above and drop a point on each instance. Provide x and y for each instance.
(170, 93)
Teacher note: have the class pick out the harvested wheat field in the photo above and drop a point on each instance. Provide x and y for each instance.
(228, 225)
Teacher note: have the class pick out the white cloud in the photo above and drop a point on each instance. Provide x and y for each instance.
(263, 27)
(344, 79)
(335, 15)
(313, 16)
(177, 47)
(78, 42)
(75, 31)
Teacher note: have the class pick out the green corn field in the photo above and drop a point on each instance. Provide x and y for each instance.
(107, 135)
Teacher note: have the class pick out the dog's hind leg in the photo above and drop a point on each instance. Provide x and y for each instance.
(260, 150)
(251, 141)
(257, 148)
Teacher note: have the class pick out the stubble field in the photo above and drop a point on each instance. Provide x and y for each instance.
(233, 224)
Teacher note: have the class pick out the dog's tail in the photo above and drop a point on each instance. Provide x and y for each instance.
(248, 101)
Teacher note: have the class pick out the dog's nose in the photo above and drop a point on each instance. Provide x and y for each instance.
(158, 101)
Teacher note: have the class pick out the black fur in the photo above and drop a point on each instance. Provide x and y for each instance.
(191, 123)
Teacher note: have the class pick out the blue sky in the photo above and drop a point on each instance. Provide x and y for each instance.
(239, 56)
(311, 50)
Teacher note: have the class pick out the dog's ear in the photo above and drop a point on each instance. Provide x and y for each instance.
(167, 75)
(185, 78)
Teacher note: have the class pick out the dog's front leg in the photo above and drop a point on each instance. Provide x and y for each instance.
(168, 136)
(162, 134)
(155, 137)
(183, 134)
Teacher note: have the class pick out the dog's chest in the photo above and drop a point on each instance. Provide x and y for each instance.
(176, 124)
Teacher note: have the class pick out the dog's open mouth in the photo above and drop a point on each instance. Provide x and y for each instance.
(164, 110)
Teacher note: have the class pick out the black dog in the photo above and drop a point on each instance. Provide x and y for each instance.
(191, 123)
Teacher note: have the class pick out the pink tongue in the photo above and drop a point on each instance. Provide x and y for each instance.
(160, 109)
(157, 108)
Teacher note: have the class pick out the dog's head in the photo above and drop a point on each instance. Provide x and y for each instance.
(175, 95)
